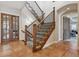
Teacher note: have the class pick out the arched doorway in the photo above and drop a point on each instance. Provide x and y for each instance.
(68, 13)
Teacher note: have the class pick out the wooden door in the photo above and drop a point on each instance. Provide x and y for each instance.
(15, 27)
(9, 28)
(66, 28)
(5, 25)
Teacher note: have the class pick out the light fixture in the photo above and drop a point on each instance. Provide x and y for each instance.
(68, 8)
(53, 1)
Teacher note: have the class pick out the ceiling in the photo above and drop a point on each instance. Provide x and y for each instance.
(12, 4)
(68, 8)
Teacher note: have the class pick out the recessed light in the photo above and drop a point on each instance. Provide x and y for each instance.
(68, 8)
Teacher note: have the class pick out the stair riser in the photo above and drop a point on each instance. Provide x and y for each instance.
(41, 32)
(40, 36)
(42, 29)
(46, 26)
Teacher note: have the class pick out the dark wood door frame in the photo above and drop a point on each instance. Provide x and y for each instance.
(11, 27)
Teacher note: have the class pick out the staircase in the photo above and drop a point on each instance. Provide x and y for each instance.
(42, 35)
(41, 32)
(34, 8)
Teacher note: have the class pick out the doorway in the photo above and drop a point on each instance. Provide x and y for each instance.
(66, 28)
(70, 28)
(9, 28)
(73, 29)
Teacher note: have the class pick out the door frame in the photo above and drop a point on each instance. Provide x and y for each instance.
(63, 25)
(9, 25)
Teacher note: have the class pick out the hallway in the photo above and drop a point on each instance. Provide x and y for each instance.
(17, 48)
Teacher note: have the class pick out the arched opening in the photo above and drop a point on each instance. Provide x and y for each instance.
(68, 16)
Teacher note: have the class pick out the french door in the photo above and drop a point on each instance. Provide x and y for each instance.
(9, 28)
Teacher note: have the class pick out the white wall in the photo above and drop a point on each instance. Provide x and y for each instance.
(9, 11)
(35, 7)
(26, 18)
(46, 6)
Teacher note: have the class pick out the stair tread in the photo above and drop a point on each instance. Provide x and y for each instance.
(42, 32)
(40, 41)
(38, 46)
(40, 36)
(42, 27)
(48, 23)
(45, 30)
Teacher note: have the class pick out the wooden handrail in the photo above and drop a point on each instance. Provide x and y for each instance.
(32, 13)
(39, 7)
(28, 33)
(31, 23)
(47, 16)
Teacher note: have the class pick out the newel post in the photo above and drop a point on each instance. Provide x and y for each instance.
(34, 36)
(25, 34)
(53, 14)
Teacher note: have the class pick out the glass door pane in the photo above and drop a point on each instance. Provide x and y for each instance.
(17, 27)
(4, 27)
(8, 19)
(14, 27)
(9, 27)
